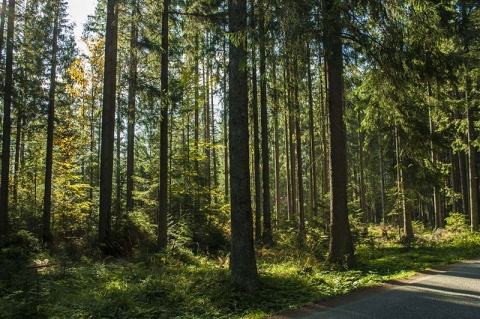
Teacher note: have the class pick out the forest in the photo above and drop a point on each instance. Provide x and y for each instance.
(232, 159)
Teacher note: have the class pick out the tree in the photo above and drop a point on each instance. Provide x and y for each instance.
(47, 199)
(163, 187)
(132, 90)
(341, 250)
(7, 125)
(2, 23)
(108, 122)
(267, 235)
(242, 259)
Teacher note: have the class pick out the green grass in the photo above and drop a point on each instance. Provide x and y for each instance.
(178, 284)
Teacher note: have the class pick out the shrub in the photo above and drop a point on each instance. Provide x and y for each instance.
(456, 222)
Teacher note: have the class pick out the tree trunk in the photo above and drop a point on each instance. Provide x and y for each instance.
(341, 250)
(16, 169)
(206, 115)
(132, 92)
(291, 147)
(288, 167)
(472, 170)
(108, 122)
(325, 146)
(2, 23)
(298, 142)
(225, 124)
(361, 172)
(214, 150)
(406, 212)
(276, 140)
(242, 259)
(436, 194)
(462, 165)
(47, 198)
(267, 215)
(382, 181)
(7, 125)
(196, 133)
(256, 134)
(455, 179)
(311, 131)
(118, 204)
(163, 185)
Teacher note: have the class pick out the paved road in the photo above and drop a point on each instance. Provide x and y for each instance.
(450, 292)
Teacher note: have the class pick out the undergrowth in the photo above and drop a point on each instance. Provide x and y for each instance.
(180, 284)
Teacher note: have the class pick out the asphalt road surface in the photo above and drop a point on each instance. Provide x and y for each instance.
(449, 292)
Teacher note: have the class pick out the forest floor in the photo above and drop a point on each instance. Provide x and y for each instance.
(180, 284)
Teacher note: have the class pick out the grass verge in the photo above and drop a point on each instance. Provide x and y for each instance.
(179, 284)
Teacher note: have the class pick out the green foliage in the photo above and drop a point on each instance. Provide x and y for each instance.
(456, 222)
(177, 283)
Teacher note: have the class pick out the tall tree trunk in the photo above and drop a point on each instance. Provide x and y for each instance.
(242, 259)
(325, 143)
(462, 165)
(436, 194)
(291, 146)
(132, 92)
(256, 133)
(455, 179)
(276, 140)
(7, 125)
(196, 133)
(341, 250)
(206, 115)
(311, 131)
(298, 142)
(406, 212)
(2, 22)
(361, 172)
(225, 124)
(214, 150)
(289, 208)
(16, 169)
(118, 139)
(472, 170)
(471, 135)
(267, 215)
(163, 186)
(288, 167)
(47, 198)
(108, 122)
(382, 181)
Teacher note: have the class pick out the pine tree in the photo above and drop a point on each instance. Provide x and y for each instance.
(242, 259)
(108, 123)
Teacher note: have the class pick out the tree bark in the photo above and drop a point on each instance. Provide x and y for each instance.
(341, 250)
(311, 131)
(7, 125)
(436, 194)
(243, 268)
(163, 185)
(382, 181)
(108, 122)
(361, 172)
(299, 160)
(267, 215)
(276, 140)
(206, 115)
(225, 125)
(256, 133)
(472, 170)
(132, 92)
(47, 198)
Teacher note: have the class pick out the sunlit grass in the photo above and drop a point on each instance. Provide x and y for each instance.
(179, 284)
